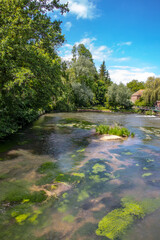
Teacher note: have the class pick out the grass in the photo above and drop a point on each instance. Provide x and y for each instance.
(115, 130)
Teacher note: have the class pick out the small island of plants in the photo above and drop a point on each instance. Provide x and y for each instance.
(114, 130)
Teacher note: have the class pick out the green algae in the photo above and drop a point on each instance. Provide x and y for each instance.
(97, 168)
(23, 213)
(74, 178)
(48, 178)
(147, 174)
(81, 175)
(98, 179)
(47, 166)
(127, 153)
(65, 195)
(117, 222)
(69, 218)
(145, 168)
(16, 192)
(150, 160)
(82, 196)
(137, 165)
(81, 150)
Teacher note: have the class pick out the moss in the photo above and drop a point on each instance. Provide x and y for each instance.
(115, 223)
(47, 166)
(146, 174)
(82, 196)
(69, 218)
(98, 168)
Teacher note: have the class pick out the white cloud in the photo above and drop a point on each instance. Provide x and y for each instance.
(99, 53)
(68, 26)
(124, 44)
(126, 74)
(121, 59)
(81, 8)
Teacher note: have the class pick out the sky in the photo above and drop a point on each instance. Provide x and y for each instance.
(123, 33)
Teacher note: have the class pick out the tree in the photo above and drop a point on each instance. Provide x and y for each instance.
(83, 71)
(84, 97)
(100, 89)
(29, 65)
(104, 74)
(135, 85)
(152, 91)
(119, 95)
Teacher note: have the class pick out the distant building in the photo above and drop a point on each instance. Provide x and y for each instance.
(135, 96)
(158, 104)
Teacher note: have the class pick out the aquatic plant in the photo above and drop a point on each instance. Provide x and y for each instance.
(69, 218)
(115, 223)
(146, 174)
(16, 192)
(47, 166)
(74, 178)
(82, 196)
(115, 130)
(48, 178)
(98, 168)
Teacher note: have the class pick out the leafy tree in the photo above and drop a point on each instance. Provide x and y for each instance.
(135, 85)
(84, 97)
(29, 65)
(152, 91)
(119, 95)
(83, 71)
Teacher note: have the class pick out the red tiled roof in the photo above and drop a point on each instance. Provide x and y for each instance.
(138, 93)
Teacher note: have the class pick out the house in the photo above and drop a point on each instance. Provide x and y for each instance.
(135, 96)
(158, 104)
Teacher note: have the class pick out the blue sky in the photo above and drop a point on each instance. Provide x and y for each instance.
(124, 33)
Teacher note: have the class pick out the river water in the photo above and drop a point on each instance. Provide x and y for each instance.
(89, 181)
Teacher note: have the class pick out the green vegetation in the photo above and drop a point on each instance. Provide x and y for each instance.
(47, 166)
(146, 174)
(116, 130)
(69, 218)
(135, 85)
(117, 222)
(16, 192)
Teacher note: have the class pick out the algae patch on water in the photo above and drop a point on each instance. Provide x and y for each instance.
(117, 222)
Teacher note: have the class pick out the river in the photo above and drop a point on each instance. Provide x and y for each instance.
(80, 178)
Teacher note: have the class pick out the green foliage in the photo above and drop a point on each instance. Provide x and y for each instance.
(116, 223)
(116, 130)
(152, 91)
(135, 85)
(119, 96)
(29, 65)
